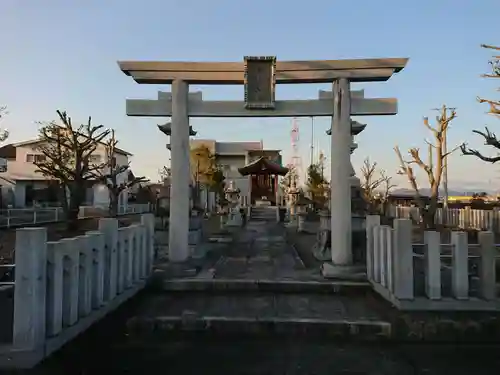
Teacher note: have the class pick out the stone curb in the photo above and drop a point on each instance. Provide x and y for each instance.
(342, 329)
(277, 286)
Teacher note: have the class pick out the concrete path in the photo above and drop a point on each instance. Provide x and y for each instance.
(257, 283)
(260, 252)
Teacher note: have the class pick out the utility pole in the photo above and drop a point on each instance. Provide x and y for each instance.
(444, 111)
(445, 171)
(312, 141)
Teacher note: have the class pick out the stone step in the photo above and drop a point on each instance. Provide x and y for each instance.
(260, 315)
(275, 286)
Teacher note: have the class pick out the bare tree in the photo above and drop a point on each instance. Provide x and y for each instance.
(66, 153)
(110, 173)
(384, 192)
(4, 134)
(434, 166)
(376, 186)
(164, 173)
(490, 139)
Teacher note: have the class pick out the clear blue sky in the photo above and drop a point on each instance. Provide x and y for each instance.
(62, 54)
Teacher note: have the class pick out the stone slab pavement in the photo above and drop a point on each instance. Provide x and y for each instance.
(259, 251)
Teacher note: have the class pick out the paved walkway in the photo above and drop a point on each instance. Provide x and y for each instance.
(260, 252)
(258, 283)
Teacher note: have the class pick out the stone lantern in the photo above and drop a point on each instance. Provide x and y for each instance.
(356, 128)
(232, 195)
(167, 130)
(322, 247)
(292, 193)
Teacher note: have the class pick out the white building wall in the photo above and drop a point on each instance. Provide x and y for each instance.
(230, 164)
(22, 172)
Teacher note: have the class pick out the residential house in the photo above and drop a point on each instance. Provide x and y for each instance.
(23, 186)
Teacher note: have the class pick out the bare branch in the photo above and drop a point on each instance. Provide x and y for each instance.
(434, 165)
(375, 185)
(66, 153)
(4, 133)
(116, 177)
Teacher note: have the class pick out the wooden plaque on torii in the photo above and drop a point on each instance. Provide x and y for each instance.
(260, 82)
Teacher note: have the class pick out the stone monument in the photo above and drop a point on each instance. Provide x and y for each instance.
(232, 194)
(322, 246)
(292, 194)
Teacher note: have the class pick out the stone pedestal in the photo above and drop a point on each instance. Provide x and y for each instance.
(234, 219)
(322, 247)
(223, 220)
(262, 203)
(351, 272)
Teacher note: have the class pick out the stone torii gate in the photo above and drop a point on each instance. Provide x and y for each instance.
(259, 75)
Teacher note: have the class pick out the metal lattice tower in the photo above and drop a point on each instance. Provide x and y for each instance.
(296, 159)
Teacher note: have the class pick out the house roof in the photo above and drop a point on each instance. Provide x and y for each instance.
(8, 151)
(34, 141)
(262, 166)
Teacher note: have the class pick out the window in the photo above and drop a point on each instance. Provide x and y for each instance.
(31, 158)
(95, 159)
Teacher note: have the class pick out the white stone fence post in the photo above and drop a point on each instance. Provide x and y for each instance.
(63, 287)
(463, 218)
(396, 266)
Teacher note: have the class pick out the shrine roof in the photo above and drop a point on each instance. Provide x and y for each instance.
(263, 166)
(304, 201)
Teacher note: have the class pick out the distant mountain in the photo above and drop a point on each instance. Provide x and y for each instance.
(426, 191)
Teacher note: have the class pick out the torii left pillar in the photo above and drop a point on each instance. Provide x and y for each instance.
(178, 235)
(340, 189)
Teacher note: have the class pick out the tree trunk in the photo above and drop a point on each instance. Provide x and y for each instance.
(77, 192)
(428, 216)
(113, 204)
(63, 198)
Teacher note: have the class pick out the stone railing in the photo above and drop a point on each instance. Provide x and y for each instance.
(17, 217)
(63, 287)
(465, 218)
(432, 275)
(133, 208)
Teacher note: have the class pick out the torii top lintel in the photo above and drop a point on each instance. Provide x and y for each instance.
(230, 73)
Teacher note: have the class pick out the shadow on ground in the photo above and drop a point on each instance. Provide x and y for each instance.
(108, 348)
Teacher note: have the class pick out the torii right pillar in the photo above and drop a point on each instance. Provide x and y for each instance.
(340, 186)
